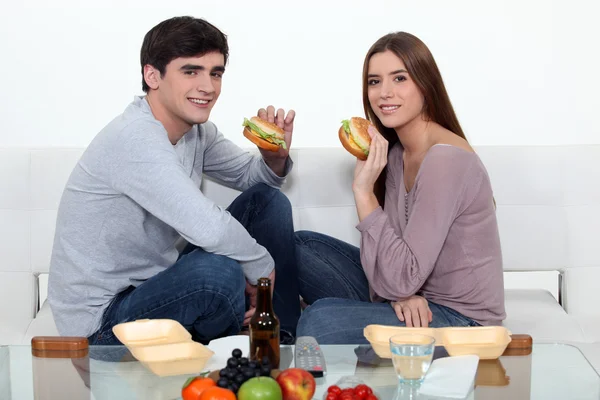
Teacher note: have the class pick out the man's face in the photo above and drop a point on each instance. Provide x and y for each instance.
(189, 88)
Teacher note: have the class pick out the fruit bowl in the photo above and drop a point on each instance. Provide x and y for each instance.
(238, 369)
(214, 375)
(222, 348)
(253, 379)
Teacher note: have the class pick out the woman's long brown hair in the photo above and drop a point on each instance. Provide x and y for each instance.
(423, 69)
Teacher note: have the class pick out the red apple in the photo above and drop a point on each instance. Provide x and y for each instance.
(296, 384)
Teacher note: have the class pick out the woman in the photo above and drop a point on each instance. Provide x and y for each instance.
(430, 250)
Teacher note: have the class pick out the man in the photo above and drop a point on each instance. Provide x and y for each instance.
(135, 193)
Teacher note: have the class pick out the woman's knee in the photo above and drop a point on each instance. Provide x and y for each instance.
(316, 250)
(315, 316)
(319, 242)
(307, 257)
(303, 237)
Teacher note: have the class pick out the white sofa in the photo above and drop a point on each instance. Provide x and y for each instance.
(548, 202)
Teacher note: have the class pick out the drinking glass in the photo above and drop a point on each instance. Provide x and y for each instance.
(411, 355)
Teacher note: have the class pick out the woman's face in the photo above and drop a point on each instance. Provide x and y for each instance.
(393, 94)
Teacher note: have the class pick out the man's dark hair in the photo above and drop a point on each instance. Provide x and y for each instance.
(180, 37)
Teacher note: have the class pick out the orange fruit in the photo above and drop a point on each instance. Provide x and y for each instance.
(217, 393)
(193, 387)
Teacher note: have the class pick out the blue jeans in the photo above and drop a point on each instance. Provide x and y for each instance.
(205, 292)
(332, 281)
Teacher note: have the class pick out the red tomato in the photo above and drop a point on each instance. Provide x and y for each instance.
(331, 396)
(371, 397)
(335, 389)
(365, 387)
(361, 392)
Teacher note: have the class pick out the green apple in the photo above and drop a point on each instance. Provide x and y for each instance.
(260, 388)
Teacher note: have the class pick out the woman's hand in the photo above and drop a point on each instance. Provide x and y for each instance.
(414, 311)
(367, 172)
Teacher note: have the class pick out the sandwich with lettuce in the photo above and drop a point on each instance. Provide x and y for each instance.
(264, 134)
(355, 137)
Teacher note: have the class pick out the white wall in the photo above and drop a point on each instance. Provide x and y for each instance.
(519, 72)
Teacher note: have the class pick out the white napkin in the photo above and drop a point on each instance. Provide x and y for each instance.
(450, 377)
(222, 348)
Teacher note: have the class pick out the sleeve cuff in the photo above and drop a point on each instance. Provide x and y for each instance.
(366, 223)
(253, 275)
(273, 177)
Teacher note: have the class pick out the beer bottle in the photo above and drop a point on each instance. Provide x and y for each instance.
(264, 327)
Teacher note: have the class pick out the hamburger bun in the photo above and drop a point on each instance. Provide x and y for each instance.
(266, 135)
(260, 142)
(355, 137)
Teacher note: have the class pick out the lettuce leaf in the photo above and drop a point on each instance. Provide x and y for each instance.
(346, 124)
(267, 136)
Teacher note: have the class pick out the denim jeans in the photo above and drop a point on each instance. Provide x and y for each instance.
(204, 291)
(332, 281)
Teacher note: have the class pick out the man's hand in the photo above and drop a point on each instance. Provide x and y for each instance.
(413, 311)
(276, 160)
(252, 292)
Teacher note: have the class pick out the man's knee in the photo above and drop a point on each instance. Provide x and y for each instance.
(265, 194)
(227, 273)
(225, 278)
(281, 201)
(261, 189)
(214, 271)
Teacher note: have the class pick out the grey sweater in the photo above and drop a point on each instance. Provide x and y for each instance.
(128, 201)
(439, 240)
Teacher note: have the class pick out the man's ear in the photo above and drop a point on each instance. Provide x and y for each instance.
(151, 76)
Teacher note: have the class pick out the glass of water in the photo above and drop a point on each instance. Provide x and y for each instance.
(411, 355)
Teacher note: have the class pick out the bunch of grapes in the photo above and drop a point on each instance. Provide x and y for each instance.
(239, 369)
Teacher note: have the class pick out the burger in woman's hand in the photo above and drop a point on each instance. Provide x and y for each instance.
(355, 137)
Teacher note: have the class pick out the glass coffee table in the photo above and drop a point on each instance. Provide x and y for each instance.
(551, 371)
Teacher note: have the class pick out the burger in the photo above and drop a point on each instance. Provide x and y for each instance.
(355, 137)
(264, 134)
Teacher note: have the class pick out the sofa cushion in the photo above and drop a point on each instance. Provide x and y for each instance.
(537, 313)
(42, 325)
(591, 328)
(559, 235)
(531, 311)
(12, 330)
(17, 304)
